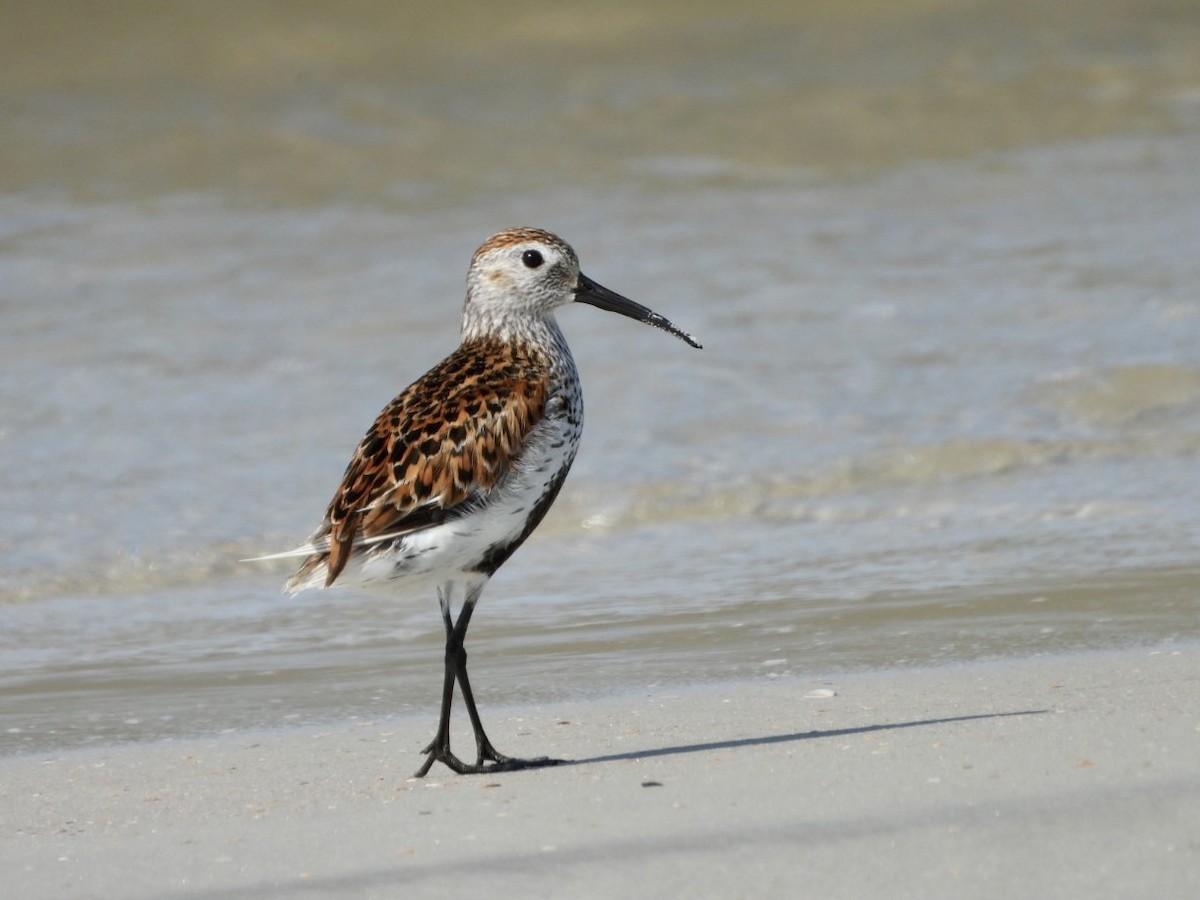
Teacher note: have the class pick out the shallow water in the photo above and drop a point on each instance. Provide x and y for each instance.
(941, 256)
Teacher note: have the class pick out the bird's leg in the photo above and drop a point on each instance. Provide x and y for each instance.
(456, 668)
(439, 747)
(485, 752)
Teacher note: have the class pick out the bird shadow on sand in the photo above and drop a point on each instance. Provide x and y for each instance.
(766, 740)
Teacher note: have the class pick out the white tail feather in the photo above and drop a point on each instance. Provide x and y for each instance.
(306, 550)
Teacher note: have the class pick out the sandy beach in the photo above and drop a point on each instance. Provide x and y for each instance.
(1067, 776)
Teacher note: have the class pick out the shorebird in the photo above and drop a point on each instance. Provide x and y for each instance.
(460, 468)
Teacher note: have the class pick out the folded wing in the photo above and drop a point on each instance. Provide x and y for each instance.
(435, 452)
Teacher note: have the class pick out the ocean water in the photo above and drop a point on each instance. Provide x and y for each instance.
(942, 257)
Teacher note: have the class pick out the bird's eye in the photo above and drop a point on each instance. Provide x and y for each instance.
(532, 259)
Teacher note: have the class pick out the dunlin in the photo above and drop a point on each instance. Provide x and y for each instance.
(461, 467)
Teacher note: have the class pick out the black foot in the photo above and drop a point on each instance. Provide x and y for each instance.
(495, 763)
(512, 764)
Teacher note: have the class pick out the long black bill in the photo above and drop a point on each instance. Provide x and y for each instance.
(601, 297)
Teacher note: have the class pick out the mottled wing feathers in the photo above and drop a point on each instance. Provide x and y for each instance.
(434, 451)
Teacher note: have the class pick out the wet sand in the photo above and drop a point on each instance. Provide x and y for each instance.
(1065, 776)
